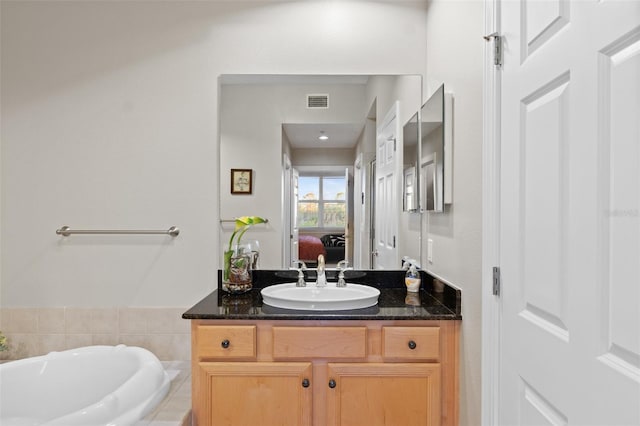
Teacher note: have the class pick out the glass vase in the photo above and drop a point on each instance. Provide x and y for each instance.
(236, 274)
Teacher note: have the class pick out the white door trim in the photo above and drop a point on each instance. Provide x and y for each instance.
(491, 312)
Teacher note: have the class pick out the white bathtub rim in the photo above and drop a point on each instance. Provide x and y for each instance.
(127, 417)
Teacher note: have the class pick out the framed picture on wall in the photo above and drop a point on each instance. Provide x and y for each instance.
(241, 181)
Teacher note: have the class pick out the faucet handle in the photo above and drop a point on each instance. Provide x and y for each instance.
(342, 266)
(303, 266)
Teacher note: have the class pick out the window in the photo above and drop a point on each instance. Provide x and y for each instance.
(321, 202)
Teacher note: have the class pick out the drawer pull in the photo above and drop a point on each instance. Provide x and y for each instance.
(412, 344)
(332, 383)
(225, 343)
(305, 383)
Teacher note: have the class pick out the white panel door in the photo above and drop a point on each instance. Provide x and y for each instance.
(386, 199)
(570, 221)
(295, 255)
(348, 203)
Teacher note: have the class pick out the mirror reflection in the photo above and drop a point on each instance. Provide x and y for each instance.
(410, 133)
(311, 143)
(432, 152)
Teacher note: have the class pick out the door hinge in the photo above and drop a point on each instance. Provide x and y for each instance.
(497, 48)
(496, 281)
(394, 241)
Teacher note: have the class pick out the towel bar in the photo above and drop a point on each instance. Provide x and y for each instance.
(65, 231)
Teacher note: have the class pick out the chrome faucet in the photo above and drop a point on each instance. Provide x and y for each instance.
(322, 278)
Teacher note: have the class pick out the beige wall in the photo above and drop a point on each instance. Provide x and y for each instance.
(455, 58)
(110, 120)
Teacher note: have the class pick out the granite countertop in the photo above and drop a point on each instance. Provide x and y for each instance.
(394, 303)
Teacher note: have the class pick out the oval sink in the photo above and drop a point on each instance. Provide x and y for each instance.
(312, 298)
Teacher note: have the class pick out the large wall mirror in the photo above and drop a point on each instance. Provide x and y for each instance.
(310, 142)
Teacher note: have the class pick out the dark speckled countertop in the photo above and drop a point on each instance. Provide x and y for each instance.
(394, 302)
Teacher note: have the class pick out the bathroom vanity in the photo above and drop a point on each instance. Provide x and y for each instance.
(395, 363)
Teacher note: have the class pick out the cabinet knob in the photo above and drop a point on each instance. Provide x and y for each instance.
(305, 383)
(332, 383)
(225, 343)
(412, 344)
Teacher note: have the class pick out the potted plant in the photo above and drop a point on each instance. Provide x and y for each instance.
(3, 342)
(236, 274)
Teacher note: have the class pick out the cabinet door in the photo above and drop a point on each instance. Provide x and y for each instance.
(383, 394)
(254, 393)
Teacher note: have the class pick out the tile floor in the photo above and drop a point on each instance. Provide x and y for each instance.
(175, 409)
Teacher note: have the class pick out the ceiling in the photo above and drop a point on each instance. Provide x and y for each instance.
(341, 135)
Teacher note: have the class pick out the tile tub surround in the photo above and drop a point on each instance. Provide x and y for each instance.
(38, 331)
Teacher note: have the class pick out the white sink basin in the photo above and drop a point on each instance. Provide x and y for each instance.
(312, 298)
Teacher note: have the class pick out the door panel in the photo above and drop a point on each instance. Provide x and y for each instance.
(570, 227)
(392, 394)
(275, 390)
(295, 254)
(387, 208)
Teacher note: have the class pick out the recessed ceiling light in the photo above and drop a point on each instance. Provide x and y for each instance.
(322, 136)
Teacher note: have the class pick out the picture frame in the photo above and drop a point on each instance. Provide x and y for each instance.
(241, 181)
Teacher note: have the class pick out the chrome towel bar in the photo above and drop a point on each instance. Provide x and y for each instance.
(65, 231)
(234, 221)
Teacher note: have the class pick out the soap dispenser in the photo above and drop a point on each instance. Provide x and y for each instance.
(412, 279)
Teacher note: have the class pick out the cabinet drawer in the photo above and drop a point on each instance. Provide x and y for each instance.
(224, 342)
(319, 342)
(407, 343)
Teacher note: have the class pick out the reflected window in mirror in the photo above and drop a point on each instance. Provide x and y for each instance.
(321, 202)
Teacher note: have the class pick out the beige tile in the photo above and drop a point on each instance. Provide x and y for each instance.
(77, 320)
(23, 320)
(187, 420)
(104, 320)
(134, 340)
(182, 350)
(178, 403)
(52, 342)
(167, 417)
(169, 347)
(51, 320)
(73, 341)
(167, 321)
(22, 346)
(5, 319)
(105, 339)
(132, 320)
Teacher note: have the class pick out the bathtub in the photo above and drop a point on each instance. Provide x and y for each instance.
(93, 385)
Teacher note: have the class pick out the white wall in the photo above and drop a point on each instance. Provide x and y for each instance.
(455, 57)
(109, 120)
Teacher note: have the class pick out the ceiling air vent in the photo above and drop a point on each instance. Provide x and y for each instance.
(318, 101)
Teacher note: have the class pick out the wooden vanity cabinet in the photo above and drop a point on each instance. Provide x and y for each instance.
(325, 373)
